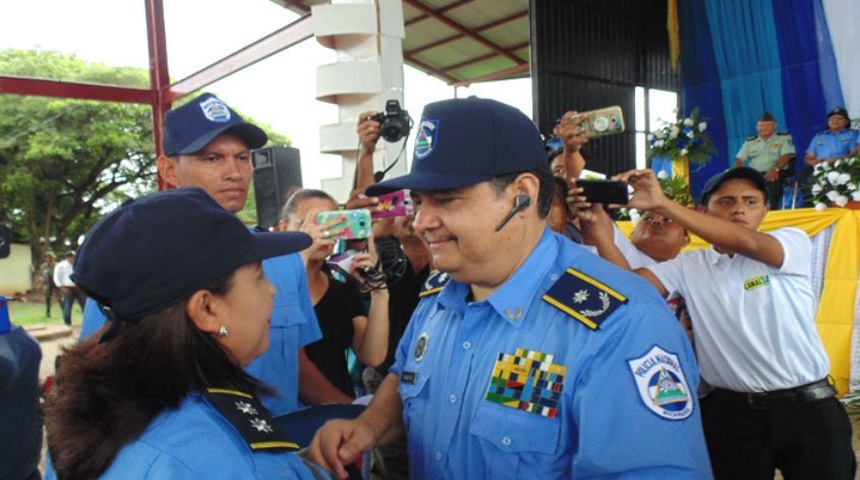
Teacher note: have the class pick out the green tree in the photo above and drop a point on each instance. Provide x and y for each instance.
(64, 163)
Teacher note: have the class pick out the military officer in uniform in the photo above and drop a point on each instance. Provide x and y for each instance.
(768, 153)
(527, 356)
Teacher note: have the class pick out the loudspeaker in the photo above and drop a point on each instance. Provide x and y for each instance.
(277, 173)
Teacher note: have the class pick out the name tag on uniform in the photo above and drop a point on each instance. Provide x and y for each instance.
(408, 378)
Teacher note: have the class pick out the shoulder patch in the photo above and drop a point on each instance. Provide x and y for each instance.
(434, 283)
(584, 298)
(251, 419)
(751, 138)
(661, 383)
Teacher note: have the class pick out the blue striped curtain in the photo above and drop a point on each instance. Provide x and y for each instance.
(740, 58)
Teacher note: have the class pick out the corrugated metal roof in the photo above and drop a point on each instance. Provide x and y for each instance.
(460, 41)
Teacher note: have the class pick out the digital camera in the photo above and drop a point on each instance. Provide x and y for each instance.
(394, 122)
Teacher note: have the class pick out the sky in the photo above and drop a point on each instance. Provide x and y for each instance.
(279, 91)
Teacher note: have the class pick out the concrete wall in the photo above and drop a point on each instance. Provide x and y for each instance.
(15, 271)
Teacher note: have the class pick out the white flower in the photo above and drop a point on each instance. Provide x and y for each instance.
(832, 177)
(831, 195)
(843, 178)
(650, 137)
(659, 134)
(816, 189)
(820, 207)
(818, 168)
(684, 151)
(662, 175)
(659, 143)
(855, 195)
(688, 122)
(841, 200)
(634, 215)
(691, 134)
(673, 133)
(837, 163)
(703, 126)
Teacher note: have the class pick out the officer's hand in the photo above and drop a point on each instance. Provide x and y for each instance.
(338, 443)
(771, 175)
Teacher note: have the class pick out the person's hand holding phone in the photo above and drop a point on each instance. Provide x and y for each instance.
(570, 131)
(319, 233)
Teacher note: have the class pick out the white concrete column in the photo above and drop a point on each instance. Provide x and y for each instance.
(367, 36)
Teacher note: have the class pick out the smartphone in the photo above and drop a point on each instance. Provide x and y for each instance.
(601, 122)
(604, 191)
(394, 204)
(351, 224)
(342, 262)
(5, 323)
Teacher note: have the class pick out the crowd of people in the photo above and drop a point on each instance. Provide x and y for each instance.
(502, 327)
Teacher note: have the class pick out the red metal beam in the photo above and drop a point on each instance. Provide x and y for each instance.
(159, 76)
(500, 75)
(444, 9)
(472, 61)
(271, 44)
(429, 69)
(61, 89)
(488, 26)
(460, 28)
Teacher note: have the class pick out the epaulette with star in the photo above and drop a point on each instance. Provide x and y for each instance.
(434, 283)
(253, 422)
(751, 138)
(584, 298)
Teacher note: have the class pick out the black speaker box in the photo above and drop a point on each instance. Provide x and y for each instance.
(5, 241)
(277, 173)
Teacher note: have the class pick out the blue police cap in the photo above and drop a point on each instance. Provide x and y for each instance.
(154, 252)
(465, 141)
(192, 126)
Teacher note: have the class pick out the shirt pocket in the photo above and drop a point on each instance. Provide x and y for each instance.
(413, 394)
(514, 444)
(287, 314)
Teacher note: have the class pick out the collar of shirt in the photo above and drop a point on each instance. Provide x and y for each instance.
(514, 297)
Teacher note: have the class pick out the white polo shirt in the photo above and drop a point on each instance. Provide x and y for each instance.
(754, 325)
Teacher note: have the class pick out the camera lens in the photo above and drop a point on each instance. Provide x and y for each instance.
(392, 130)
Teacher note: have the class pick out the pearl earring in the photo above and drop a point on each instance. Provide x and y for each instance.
(222, 332)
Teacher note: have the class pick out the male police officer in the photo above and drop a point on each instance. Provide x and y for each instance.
(528, 356)
(768, 153)
(835, 143)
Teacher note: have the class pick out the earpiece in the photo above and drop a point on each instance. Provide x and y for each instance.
(521, 202)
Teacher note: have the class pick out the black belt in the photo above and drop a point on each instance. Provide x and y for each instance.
(779, 398)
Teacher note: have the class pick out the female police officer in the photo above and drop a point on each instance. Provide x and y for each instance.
(160, 392)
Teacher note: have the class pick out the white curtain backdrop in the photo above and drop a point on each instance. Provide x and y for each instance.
(843, 18)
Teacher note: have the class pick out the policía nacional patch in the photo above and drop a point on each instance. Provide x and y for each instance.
(528, 381)
(584, 298)
(215, 110)
(421, 346)
(428, 129)
(661, 384)
(435, 282)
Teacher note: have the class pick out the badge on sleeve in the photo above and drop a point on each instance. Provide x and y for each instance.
(661, 384)
(527, 380)
(584, 298)
(245, 412)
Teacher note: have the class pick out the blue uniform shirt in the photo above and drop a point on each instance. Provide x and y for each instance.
(195, 442)
(515, 387)
(294, 325)
(827, 144)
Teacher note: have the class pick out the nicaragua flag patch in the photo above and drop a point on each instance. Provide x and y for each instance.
(425, 141)
(661, 384)
(215, 110)
(584, 298)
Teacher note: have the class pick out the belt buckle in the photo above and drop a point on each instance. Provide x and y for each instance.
(757, 401)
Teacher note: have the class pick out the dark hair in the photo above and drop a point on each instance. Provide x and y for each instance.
(301, 195)
(546, 186)
(107, 393)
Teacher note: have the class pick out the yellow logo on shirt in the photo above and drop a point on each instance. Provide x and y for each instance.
(757, 282)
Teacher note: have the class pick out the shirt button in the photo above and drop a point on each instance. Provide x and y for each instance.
(506, 441)
(437, 455)
(467, 345)
(453, 398)
(553, 277)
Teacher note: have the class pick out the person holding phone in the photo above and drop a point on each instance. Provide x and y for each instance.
(163, 392)
(338, 306)
(751, 299)
(527, 357)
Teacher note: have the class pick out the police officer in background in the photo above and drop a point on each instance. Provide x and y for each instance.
(768, 153)
(527, 356)
(837, 142)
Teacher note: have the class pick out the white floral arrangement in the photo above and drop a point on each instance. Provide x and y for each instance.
(836, 183)
(686, 137)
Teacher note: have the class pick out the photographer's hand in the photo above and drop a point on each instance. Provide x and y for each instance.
(368, 132)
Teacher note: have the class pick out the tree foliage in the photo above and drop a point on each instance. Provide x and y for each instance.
(64, 163)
